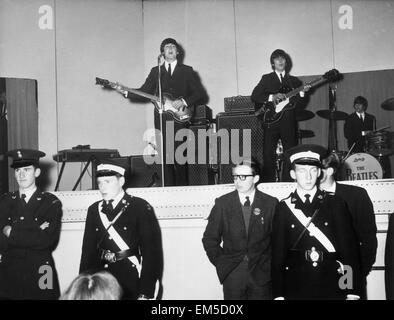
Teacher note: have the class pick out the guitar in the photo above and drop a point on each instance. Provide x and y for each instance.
(274, 110)
(181, 115)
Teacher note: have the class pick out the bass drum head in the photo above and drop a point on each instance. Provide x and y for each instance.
(360, 166)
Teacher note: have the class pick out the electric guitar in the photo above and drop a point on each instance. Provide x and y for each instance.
(181, 115)
(273, 110)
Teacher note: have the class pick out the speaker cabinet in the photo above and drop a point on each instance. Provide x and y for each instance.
(200, 174)
(240, 121)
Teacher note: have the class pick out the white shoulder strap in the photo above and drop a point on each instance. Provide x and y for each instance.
(122, 245)
(313, 230)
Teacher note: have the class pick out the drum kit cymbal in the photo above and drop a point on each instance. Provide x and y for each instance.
(388, 104)
(332, 114)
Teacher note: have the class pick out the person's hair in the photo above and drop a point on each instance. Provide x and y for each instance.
(97, 286)
(276, 54)
(252, 163)
(167, 41)
(332, 160)
(361, 100)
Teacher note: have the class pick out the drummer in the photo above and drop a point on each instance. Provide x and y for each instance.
(358, 124)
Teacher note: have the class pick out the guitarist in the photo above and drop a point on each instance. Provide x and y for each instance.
(183, 84)
(272, 87)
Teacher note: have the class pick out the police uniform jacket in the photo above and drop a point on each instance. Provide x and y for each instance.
(361, 209)
(226, 223)
(293, 276)
(27, 253)
(140, 230)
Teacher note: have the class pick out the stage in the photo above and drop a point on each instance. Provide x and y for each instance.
(182, 213)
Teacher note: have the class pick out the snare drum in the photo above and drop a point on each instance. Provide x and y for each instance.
(360, 166)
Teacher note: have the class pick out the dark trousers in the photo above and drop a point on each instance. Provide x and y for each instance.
(175, 174)
(239, 285)
(285, 130)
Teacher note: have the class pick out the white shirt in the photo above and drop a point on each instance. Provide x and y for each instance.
(28, 193)
(173, 65)
(302, 193)
(283, 73)
(331, 188)
(116, 200)
(242, 197)
(361, 115)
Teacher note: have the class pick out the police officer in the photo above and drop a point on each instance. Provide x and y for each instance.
(30, 221)
(314, 248)
(122, 236)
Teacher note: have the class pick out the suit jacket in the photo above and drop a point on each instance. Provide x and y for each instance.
(361, 209)
(334, 220)
(226, 223)
(389, 260)
(140, 229)
(270, 84)
(29, 248)
(353, 128)
(184, 83)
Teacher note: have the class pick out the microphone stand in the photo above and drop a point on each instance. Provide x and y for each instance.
(161, 107)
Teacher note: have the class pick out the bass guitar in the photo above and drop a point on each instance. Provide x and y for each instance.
(181, 115)
(273, 111)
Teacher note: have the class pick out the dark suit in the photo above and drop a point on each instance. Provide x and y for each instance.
(389, 260)
(27, 252)
(285, 129)
(353, 128)
(293, 275)
(361, 209)
(139, 229)
(226, 223)
(184, 83)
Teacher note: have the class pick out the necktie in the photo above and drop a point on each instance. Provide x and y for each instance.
(247, 202)
(108, 207)
(281, 78)
(307, 201)
(23, 197)
(169, 69)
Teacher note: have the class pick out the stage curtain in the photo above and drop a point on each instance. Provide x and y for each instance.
(22, 113)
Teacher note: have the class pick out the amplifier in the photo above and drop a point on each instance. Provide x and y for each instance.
(202, 114)
(228, 122)
(238, 104)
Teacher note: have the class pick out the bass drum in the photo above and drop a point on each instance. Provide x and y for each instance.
(360, 166)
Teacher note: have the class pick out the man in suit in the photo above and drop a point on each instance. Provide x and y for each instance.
(242, 221)
(314, 248)
(272, 88)
(30, 222)
(361, 209)
(183, 84)
(358, 124)
(122, 236)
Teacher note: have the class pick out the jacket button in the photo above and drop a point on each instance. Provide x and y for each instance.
(96, 229)
(22, 218)
(106, 266)
(326, 223)
(124, 228)
(292, 226)
(109, 237)
(35, 219)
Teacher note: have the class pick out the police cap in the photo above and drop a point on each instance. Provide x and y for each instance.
(25, 157)
(110, 167)
(310, 154)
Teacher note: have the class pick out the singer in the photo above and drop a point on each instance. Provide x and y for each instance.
(184, 85)
(270, 88)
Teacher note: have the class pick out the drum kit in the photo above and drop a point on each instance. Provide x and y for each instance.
(374, 162)
(370, 164)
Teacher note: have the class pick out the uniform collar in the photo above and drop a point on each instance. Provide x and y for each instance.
(28, 193)
(302, 193)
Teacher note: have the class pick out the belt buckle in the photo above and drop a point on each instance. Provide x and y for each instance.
(108, 256)
(314, 256)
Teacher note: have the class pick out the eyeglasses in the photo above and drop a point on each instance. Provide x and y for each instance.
(242, 177)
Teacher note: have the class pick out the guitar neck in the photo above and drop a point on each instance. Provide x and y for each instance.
(135, 91)
(299, 89)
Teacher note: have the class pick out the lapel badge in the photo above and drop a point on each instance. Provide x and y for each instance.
(148, 207)
(13, 197)
(320, 197)
(39, 198)
(262, 220)
(19, 154)
(256, 211)
(123, 201)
